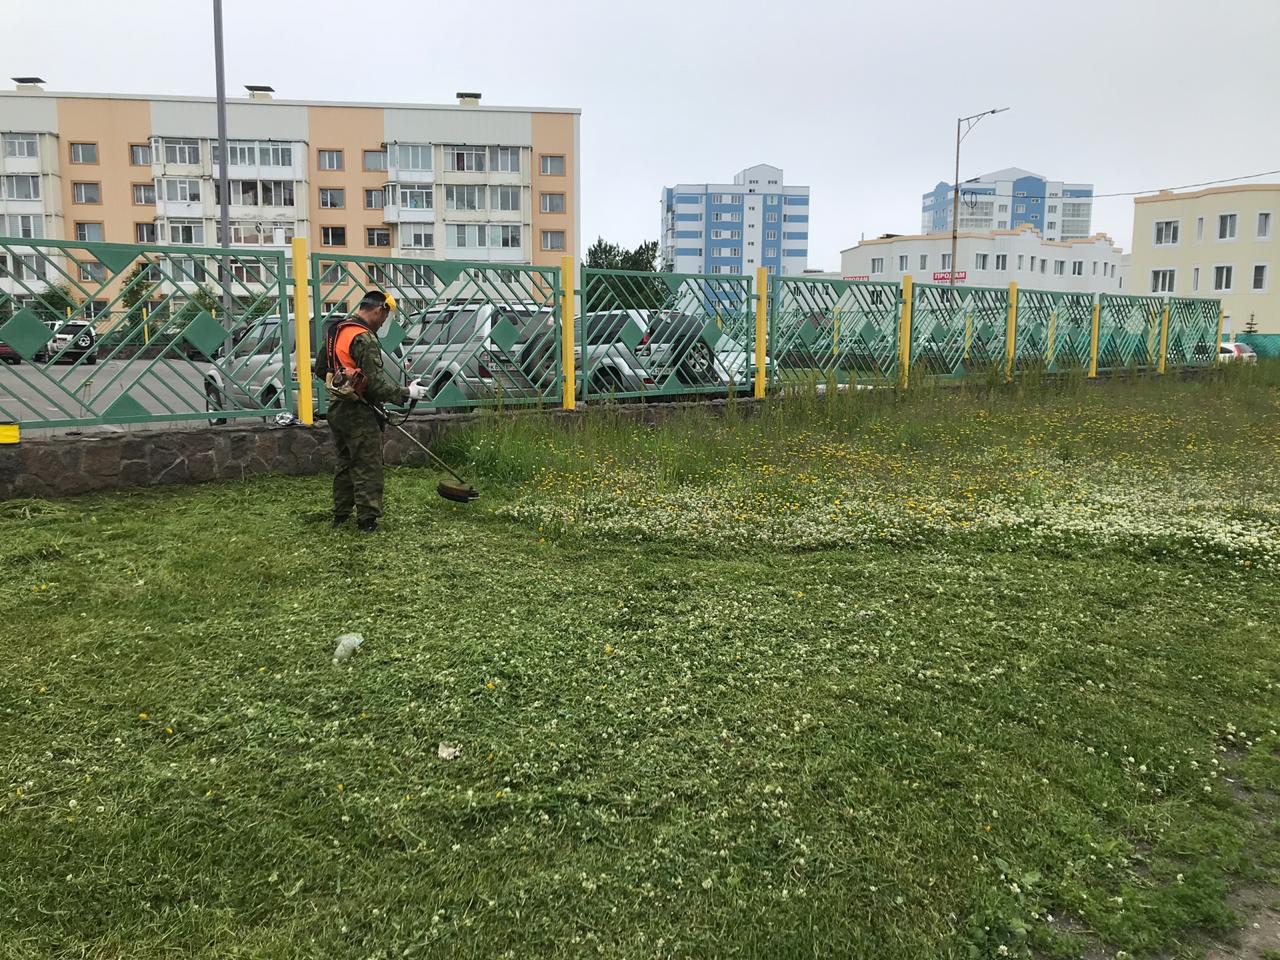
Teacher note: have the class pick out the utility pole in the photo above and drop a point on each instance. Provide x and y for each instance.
(955, 188)
(224, 188)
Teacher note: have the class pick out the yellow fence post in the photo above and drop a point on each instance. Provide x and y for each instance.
(904, 335)
(1164, 336)
(1011, 331)
(1221, 316)
(302, 328)
(568, 360)
(146, 330)
(968, 334)
(10, 433)
(1053, 332)
(762, 328)
(1093, 339)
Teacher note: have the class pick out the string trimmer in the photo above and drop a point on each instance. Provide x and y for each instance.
(460, 492)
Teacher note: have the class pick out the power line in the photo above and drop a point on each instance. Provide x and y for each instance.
(1188, 186)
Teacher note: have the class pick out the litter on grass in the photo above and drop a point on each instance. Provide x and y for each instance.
(348, 644)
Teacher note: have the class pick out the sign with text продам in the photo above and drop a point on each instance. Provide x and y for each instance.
(857, 277)
(944, 276)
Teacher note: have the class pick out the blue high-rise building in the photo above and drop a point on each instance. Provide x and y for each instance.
(736, 228)
(1007, 199)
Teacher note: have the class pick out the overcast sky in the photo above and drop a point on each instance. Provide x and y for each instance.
(857, 100)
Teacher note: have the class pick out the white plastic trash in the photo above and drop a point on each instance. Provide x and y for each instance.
(348, 644)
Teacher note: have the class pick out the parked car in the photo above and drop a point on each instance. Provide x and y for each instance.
(249, 375)
(72, 340)
(9, 355)
(451, 346)
(1236, 353)
(673, 345)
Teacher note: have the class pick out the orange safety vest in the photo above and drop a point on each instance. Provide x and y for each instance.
(342, 366)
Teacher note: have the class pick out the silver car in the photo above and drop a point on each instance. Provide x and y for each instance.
(249, 375)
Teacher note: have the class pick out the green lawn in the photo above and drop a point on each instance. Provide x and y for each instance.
(968, 675)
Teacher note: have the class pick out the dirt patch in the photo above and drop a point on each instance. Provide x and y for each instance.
(1260, 936)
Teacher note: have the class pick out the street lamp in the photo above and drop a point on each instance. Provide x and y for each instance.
(968, 124)
(223, 184)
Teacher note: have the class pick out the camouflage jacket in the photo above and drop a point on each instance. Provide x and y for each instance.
(367, 354)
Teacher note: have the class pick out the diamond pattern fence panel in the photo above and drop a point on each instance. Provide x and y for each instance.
(641, 334)
(108, 333)
(1055, 331)
(958, 332)
(1128, 332)
(833, 330)
(1193, 331)
(477, 334)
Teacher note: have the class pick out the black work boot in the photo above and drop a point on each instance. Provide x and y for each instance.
(367, 524)
(340, 518)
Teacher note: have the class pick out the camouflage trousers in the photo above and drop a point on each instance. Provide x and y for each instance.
(357, 481)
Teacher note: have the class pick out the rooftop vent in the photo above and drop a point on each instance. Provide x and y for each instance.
(28, 83)
(468, 99)
(259, 91)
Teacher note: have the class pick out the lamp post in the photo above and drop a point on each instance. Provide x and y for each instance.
(223, 186)
(967, 123)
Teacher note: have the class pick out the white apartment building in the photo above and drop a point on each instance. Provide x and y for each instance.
(736, 228)
(1011, 198)
(991, 259)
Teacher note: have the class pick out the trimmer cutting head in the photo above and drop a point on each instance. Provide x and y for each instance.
(457, 492)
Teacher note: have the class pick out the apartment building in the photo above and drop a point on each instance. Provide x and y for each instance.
(448, 182)
(1008, 199)
(991, 259)
(735, 228)
(1219, 242)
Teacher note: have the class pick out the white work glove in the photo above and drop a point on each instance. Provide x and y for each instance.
(417, 390)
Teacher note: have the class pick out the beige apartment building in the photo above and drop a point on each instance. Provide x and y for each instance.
(1220, 242)
(460, 181)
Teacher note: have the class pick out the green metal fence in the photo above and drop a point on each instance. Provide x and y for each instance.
(475, 333)
(104, 333)
(98, 333)
(663, 334)
(845, 330)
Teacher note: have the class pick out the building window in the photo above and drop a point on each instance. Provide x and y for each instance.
(1019, 208)
(416, 236)
(981, 260)
(413, 156)
(1002, 208)
(21, 187)
(946, 261)
(144, 233)
(271, 154)
(553, 166)
(1222, 278)
(186, 231)
(877, 265)
(1004, 225)
(1002, 261)
(277, 193)
(330, 160)
(505, 199)
(1020, 256)
(89, 232)
(771, 218)
(1259, 276)
(1264, 225)
(181, 191)
(504, 159)
(465, 159)
(140, 154)
(464, 235)
(25, 225)
(552, 239)
(1162, 281)
(1166, 233)
(771, 234)
(1052, 225)
(20, 145)
(903, 260)
(1053, 208)
(144, 194)
(553, 203)
(1226, 226)
(1059, 268)
(377, 237)
(1199, 229)
(333, 236)
(1033, 264)
(1195, 279)
(182, 151)
(416, 197)
(86, 193)
(1095, 268)
(463, 197)
(332, 198)
(375, 160)
(92, 271)
(924, 261)
(84, 153)
(1077, 268)
(374, 199)
(1044, 264)
(505, 235)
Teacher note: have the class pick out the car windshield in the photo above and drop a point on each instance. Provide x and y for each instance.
(259, 340)
(606, 327)
(445, 326)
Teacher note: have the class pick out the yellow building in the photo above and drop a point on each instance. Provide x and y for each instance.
(1220, 242)
(452, 182)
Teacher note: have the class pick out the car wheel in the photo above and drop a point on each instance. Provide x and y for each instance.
(696, 369)
(605, 382)
(13, 361)
(269, 397)
(91, 359)
(213, 403)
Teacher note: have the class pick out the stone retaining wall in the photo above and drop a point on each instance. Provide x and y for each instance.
(67, 465)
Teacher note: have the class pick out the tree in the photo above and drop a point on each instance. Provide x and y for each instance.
(1251, 326)
(603, 255)
(622, 292)
(52, 303)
